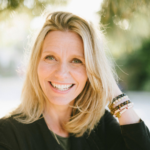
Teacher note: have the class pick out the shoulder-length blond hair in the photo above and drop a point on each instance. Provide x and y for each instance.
(90, 104)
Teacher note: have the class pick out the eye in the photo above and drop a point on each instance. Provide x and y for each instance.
(50, 57)
(77, 61)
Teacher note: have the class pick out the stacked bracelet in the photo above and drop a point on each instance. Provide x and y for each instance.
(117, 99)
(119, 112)
(120, 108)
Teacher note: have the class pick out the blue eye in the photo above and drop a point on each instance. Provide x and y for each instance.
(77, 61)
(49, 57)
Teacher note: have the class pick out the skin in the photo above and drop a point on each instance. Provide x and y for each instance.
(62, 62)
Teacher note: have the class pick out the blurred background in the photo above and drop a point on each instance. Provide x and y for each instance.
(126, 25)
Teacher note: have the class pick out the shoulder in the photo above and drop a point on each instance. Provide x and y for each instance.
(8, 126)
(13, 132)
(108, 131)
(108, 126)
(108, 120)
(6, 130)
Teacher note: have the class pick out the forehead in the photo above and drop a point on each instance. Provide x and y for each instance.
(63, 35)
(63, 40)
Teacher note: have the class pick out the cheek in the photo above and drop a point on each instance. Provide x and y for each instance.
(43, 70)
(80, 74)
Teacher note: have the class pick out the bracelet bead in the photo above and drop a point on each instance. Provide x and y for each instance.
(120, 105)
(117, 108)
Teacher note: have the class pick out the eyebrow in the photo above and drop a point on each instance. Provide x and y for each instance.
(47, 52)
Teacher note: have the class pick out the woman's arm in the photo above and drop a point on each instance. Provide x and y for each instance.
(123, 137)
(132, 134)
(129, 116)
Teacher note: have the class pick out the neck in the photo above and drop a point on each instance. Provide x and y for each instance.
(55, 116)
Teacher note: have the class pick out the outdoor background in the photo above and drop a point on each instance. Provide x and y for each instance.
(126, 25)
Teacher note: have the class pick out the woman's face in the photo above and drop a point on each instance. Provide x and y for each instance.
(61, 69)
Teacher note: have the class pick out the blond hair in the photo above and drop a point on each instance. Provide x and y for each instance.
(90, 104)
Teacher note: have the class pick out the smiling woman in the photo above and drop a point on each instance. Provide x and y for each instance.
(69, 82)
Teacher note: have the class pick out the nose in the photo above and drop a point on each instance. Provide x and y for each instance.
(62, 71)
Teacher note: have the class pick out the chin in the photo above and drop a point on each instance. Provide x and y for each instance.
(61, 102)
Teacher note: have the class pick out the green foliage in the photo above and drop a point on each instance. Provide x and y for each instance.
(113, 11)
(137, 66)
(127, 26)
(32, 7)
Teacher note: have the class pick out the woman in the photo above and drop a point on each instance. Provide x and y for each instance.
(69, 82)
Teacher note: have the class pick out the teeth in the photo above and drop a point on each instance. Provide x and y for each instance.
(61, 87)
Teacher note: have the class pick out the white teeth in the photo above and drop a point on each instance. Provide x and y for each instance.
(61, 87)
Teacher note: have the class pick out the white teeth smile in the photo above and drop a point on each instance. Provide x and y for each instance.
(61, 87)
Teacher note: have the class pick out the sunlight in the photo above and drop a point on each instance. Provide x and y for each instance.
(86, 9)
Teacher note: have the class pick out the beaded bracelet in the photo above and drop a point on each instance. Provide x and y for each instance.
(124, 97)
(118, 114)
(120, 109)
(119, 96)
(110, 106)
(120, 105)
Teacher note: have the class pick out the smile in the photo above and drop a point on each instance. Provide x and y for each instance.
(61, 87)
